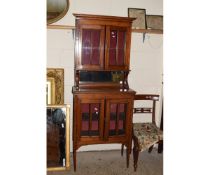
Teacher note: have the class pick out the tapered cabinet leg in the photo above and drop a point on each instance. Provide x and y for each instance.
(122, 149)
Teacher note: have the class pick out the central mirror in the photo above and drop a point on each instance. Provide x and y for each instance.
(56, 9)
(101, 76)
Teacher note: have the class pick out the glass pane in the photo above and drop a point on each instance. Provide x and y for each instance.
(95, 119)
(90, 119)
(112, 49)
(113, 117)
(85, 119)
(90, 47)
(121, 46)
(86, 46)
(95, 47)
(122, 119)
(117, 119)
(56, 136)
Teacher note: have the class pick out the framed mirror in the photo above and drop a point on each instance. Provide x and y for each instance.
(56, 9)
(55, 86)
(58, 137)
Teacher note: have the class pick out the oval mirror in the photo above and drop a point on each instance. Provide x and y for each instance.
(56, 9)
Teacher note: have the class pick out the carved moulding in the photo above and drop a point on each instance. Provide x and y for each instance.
(55, 75)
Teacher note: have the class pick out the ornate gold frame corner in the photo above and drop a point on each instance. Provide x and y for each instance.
(55, 79)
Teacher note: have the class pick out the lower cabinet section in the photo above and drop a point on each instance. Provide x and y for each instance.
(102, 117)
(117, 118)
(90, 117)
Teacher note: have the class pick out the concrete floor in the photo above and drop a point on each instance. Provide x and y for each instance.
(112, 163)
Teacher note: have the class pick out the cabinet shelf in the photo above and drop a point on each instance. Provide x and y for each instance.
(67, 27)
(154, 31)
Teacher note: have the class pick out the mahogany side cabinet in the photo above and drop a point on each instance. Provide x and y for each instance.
(102, 99)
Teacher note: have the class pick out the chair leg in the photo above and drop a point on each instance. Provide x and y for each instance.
(160, 146)
(122, 149)
(135, 156)
(150, 149)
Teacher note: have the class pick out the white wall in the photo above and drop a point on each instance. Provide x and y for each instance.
(146, 57)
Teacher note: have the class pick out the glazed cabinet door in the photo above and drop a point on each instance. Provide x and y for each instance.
(90, 119)
(118, 118)
(90, 47)
(117, 48)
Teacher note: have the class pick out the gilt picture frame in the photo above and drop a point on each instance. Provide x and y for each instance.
(140, 15)
(55, 86)
(50, 90)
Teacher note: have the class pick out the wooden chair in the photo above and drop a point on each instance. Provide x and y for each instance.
(145, 135)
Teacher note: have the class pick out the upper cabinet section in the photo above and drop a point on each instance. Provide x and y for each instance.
(91, 43)
(102, 42)
(116, 48)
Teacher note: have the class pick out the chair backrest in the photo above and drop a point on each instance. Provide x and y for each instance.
(151, 97)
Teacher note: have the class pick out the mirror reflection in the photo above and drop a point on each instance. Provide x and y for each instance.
(56, 9)
(58, 137)
(56, 124)
(101, 76)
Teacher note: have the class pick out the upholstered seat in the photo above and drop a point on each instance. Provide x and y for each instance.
(147, 134)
